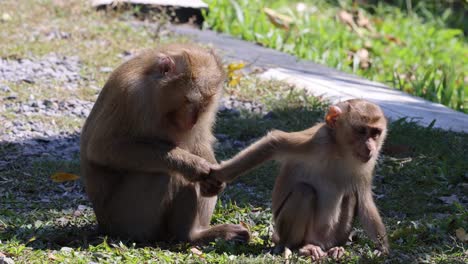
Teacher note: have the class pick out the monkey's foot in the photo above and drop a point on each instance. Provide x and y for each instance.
(336, 252)
(236, 233)
(315, 252)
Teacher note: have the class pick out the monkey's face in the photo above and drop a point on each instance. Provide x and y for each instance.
(361, 130)
(188, 85)
(364, 141)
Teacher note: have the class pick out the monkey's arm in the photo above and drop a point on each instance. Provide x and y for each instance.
(370, 219)
(154, 156)
(274, 144)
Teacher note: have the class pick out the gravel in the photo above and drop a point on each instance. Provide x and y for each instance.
(32, 133)
(49, 69)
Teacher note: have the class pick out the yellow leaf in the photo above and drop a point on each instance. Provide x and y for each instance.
(31, 240)
(63, 177)
(235, 66)
(234, 81)
(461, 234)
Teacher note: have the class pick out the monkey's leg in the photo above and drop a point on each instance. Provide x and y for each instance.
(190, 221)
(205, 233)
(133, 207)
(347, 214)
(371, 221)
(294, 217)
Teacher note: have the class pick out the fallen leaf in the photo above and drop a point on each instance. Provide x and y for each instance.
(394, 40)
(196, 251)
(244, 224)
(363, 21)
(52, 256)
(63, 177)
(2, 255)
(449, 199)
(362, 55)
(279, 20)
(461, 234)
(235, 66)
(234, 76)
(287, 254)
(346, 17)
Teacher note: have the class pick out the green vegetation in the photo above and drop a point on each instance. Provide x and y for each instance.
(420, 182)
(411, 51)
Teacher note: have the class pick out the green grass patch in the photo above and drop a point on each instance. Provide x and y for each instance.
(416, 55)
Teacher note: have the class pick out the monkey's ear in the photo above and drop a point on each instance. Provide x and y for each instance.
(166, 66)
(333, 113)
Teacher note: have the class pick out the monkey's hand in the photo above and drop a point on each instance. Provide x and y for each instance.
(221, 173)
(211, 186)
(197, 170)
(383, 248)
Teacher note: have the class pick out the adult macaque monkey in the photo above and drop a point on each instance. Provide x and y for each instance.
(147, 146)
(325, 178)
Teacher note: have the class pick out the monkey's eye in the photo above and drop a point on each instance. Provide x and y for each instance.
(360, 130)
(375, 132)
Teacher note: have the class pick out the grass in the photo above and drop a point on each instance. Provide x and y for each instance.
(46, 222)
(413, 53)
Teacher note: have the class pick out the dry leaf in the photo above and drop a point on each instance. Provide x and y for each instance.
(52, 256)
(279, 20)
(394, 39)
(196, 251)
(2, 255)
(287, 255)
(461, 234)
(63, 177)
(363, 56)
(346, 17)
(363, 21)
(244, 224)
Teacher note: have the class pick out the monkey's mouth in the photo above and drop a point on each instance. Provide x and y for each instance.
(363, 157)
(183, 119)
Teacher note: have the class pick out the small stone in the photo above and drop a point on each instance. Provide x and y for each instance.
(5, 17)
(11, 97)
(6, 260)
(270, 115)
(238, 144)
(25, 108)
(28, 80)
(66, 249)
(5, 88)
(222, 137)
(105, 69)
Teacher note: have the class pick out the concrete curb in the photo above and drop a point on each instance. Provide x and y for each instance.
(328, 83)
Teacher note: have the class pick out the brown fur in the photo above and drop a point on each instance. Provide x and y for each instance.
(325, 178)
(147, 146)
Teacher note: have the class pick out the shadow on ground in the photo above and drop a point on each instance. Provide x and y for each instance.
(425, 164)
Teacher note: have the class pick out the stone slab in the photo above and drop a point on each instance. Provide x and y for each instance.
(180, 3)
(328, 83)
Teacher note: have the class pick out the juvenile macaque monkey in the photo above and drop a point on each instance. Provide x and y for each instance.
(325, 178)
(146, 148)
